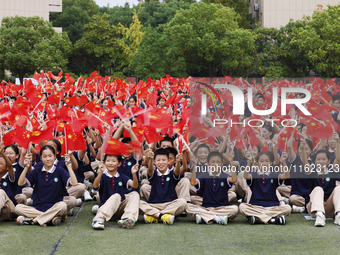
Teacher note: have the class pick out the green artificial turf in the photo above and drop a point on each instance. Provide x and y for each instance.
(76, 236)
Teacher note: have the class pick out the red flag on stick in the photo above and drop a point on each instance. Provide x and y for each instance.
(115, 147)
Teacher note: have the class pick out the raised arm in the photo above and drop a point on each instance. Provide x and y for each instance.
(286, 174)
(68, 162)
(150, 164)
(27, 164)
(134, 182)
(99, 176)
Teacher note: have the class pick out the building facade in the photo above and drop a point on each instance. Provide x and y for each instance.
(277, 13)
(30, 8)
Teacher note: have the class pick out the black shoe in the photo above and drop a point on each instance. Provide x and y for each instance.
(252, 220)
(183, 214)
(281, 220)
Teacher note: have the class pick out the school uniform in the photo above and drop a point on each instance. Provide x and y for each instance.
(300, 183)
(163, 197)
(325, 195)
(125, 168)
(214, 190)
(264, 203)
(182, 188)
(7, 199)
(73, 192)
(21, 193)
(113, 201)
(49, 188)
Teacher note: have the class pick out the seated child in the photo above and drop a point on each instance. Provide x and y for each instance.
(163, 203)
(213, 187)
(264, 205)
(111, 187)
(49, 187)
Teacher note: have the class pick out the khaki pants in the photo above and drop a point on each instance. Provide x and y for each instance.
(209, 213)
(242, 188)
(70, 201)
(182, 190)
(284, 191)
(114, 208)
(58, 209)
(174, 207)
(77, 191)
(26, 193)
(329, 207)
(89, 176)
(297, 200)
(7, 208)
(264, 214)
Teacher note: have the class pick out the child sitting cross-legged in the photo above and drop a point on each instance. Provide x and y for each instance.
(213, 186)
(163, 203)
(111, 187)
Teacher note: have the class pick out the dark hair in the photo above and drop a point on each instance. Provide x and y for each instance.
(336, 97)
(133, 97)
(321, 151)
(270, 130)
(14, 148)
(102, 101)
(58, 144)
(167, 139)
(119, 157)
(172, 150)
(203, 145)
(161, 151)
(269, 154)
(126, 140)
(47, 147)
(308, 142)
(215, 154)
(159, 98)
(257, 146)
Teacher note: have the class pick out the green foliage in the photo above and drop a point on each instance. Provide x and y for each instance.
(319, 41)
(240, 7)
(29, 44)
(133, 38)
(118, 14)
(207, 37)
(104, 43)
(75, 14)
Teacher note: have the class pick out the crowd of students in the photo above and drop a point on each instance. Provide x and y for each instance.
(176, 175)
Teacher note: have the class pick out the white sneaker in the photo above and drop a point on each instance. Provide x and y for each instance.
(95, 209)
(98, 225)
(70, 212)
(286, 200)
(87, 196)
(298, 209)
(222, 220)
(79, 202)
(320, 220)
(198, 219)
(29, 201)
(337, 219)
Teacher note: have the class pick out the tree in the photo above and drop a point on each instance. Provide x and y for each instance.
(133, 38)
(152, 59)
(75, 14)
(29, 44)
(118, 14)
(152, 13)
(241, 7)
(104, 44)
(156, 13)
(319, 40)
(207, 37)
